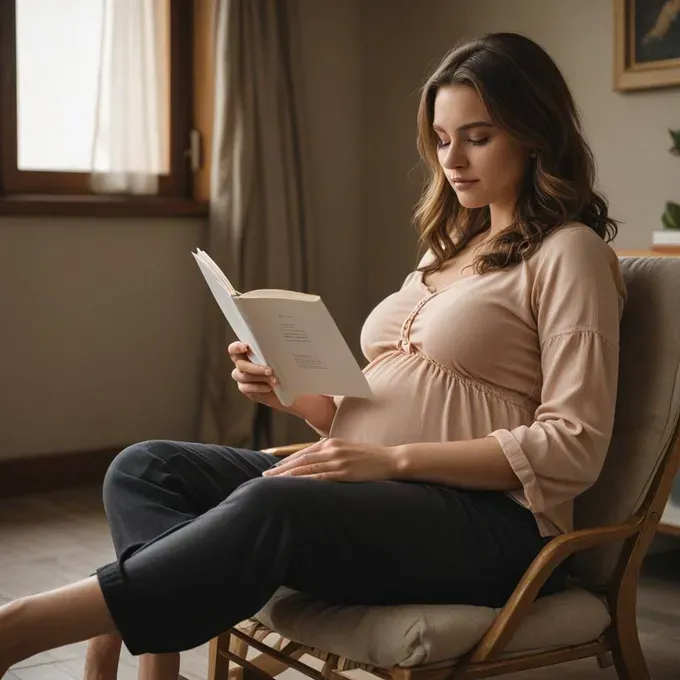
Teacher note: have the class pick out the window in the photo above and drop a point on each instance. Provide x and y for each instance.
(50, 55)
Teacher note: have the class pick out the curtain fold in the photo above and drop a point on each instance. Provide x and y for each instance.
(131, 137)
(259, 219)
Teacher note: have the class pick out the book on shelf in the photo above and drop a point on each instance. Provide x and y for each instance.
(666, 237)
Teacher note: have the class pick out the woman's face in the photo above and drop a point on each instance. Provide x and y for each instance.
(483, 164)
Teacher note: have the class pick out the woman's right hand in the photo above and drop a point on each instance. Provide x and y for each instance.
(254, 381)
(257, 382)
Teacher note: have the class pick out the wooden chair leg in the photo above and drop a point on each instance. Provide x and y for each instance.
(605, 660)
(422, 674)
(629, 659)
(272, 667)
(218, 666)
(240, 648)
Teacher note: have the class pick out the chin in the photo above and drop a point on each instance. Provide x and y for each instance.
(468, 200)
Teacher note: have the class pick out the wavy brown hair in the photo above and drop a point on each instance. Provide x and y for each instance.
(528, 98)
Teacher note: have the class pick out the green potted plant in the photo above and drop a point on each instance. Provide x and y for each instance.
(671, 216)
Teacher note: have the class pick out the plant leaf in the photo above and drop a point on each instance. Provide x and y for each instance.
(671, 216)
(675, 136)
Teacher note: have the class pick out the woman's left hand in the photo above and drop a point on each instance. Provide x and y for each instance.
(340, 460)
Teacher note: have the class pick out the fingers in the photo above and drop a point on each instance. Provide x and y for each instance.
(246, 371)
(254, 388)
(294, 458)
(312, 460)
(238, 350)
(252, 369)
(244, 375)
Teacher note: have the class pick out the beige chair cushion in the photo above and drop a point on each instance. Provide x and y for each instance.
(413, 635)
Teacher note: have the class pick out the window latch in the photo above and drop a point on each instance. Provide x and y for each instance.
(194, 150)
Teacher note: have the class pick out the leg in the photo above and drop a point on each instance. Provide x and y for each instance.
(102, 658)
(53, 619)
(159, 666)
(141, 500)
(373, 543)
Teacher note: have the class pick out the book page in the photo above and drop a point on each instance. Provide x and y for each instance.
(280, 294)
(227, 304)
(304, 347)
(204, 258)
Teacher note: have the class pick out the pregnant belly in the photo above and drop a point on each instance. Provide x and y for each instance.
(416, 400)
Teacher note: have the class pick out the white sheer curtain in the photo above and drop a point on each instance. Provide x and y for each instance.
(131, 138)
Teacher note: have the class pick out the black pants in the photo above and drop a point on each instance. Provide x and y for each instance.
(203, 541)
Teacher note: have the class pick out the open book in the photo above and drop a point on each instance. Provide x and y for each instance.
(293, 333)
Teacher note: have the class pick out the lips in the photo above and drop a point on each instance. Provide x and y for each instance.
(463, 183)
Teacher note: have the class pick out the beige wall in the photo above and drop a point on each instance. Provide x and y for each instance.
(100, 332)
(332, 65)
(402, 42)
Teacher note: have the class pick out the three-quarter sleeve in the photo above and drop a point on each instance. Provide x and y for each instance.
(577, 299)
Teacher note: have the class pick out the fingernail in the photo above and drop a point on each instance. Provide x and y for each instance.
(268, 371)
(274, 381)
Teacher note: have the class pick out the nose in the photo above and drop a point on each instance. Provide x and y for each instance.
(454, 157)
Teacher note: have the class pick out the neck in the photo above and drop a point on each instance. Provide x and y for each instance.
(501, 216)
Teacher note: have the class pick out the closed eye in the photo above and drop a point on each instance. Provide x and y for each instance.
(441, 144)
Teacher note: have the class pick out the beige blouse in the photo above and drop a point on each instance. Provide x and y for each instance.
(528, 355)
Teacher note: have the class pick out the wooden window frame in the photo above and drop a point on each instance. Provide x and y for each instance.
(183, 191)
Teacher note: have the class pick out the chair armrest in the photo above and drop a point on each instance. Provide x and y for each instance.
(287, 450)
(524, 595)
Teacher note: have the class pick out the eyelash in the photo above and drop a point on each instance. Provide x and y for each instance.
(473, 142)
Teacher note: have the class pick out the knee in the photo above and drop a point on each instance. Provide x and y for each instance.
(134, 462)
(278, 495)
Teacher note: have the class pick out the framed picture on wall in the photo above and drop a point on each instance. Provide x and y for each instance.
(646, 44)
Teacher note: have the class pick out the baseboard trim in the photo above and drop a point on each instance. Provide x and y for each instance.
(67, 470)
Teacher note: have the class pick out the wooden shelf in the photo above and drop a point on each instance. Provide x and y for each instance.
(651, 252)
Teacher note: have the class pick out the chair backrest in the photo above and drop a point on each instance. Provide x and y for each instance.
(647, 409)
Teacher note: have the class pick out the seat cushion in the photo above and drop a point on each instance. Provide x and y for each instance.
(414, 635)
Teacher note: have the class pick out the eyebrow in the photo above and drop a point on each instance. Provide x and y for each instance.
(467, 126)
